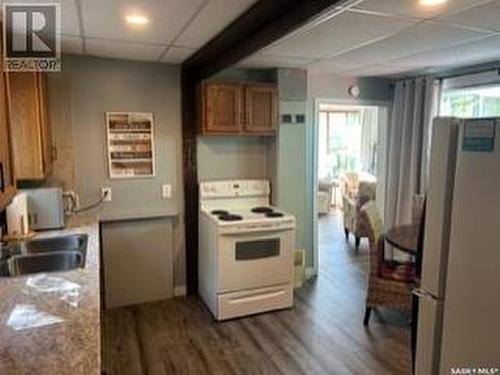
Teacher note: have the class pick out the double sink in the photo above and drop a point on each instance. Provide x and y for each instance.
(43, 255)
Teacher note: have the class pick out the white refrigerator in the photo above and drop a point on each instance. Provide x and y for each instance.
(458, 325)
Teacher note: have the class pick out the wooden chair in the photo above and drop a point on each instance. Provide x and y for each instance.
(390, 284)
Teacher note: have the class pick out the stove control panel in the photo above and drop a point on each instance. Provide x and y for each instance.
(234, 188)
(258, 227)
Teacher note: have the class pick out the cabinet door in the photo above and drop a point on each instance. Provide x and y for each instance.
(261, 107)
(7, 180)
(222, 108)
(46, 134)
(25, 118)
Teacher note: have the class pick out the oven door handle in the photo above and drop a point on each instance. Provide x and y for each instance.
(245, 231)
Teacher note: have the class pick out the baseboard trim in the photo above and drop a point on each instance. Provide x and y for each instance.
(180, 291)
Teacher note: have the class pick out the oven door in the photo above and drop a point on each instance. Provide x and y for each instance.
(255, 260)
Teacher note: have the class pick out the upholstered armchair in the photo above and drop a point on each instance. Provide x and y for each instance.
(354, 222)
(349, 184)
(324, 197)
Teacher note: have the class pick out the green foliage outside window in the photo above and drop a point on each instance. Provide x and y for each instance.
(471, 102)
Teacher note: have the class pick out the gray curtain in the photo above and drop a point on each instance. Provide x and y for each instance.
(369, 135)
(414, 107)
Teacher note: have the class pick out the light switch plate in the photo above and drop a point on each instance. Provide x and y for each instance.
(166, 191)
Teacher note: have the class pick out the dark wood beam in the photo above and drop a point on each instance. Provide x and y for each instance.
(264, 23)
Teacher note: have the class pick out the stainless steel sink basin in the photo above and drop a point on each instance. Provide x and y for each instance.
(44, 255)
(77, 242)
(42, 262)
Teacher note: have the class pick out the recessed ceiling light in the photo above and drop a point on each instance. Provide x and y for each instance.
(432, 3)
(136, 19)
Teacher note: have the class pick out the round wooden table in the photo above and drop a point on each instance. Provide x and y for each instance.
(404, 238)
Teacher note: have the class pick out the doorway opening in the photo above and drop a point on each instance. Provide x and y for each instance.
(350, 171)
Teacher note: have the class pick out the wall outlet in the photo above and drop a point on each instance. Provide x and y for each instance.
(107, 191)
(166, 191)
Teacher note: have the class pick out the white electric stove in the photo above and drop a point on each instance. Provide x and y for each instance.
(245, 255)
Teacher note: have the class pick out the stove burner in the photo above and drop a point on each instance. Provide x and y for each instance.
(230, 217)
(274, 214)
(262, 210)
(219, 212)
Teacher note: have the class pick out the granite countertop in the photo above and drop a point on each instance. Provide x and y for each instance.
(50, 323)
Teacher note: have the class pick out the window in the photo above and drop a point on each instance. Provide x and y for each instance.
(340, 135)
(482, 101)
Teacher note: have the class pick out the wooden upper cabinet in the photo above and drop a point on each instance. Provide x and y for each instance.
(238, 109)
(46, 132)
(7, 177)
(261, 109)
(222, 108)
(31, 137)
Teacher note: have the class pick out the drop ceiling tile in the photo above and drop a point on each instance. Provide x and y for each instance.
(260, 60)
(477, 52)
(332, 66)
(72, 44)
(105, 19)
(213, 18)
(344, 31)
(422, 37)
(124, 50)
(383, 70)
(413, 8)
(486, 16)
(69, 17)
(176, 55)
(373, 53)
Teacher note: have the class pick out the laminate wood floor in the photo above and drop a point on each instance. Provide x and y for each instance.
(322, 334)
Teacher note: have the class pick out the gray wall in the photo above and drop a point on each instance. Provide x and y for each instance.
(333, 86)
(79, 97)
(290, 173)
(233, 157)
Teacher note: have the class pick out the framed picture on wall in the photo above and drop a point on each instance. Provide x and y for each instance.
(130, 144)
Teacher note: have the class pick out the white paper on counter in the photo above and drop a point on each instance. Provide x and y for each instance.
(63, 289)
(27, 316)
